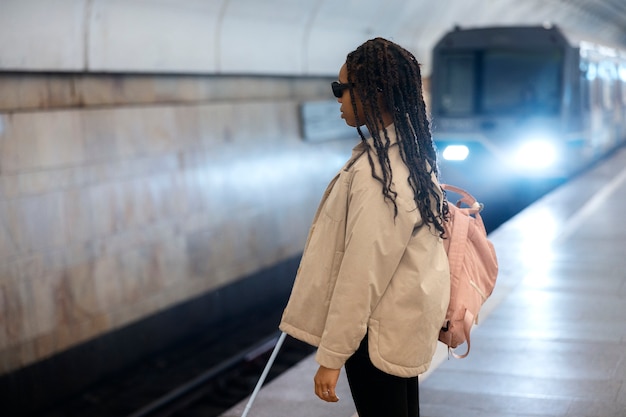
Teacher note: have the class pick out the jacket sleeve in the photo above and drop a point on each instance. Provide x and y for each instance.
(374, 245)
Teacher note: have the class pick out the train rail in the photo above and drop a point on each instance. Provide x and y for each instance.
(219, 388)
(202, 377)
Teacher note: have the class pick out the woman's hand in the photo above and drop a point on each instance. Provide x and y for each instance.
(325, 383)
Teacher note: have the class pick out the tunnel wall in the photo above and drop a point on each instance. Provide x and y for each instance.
(252, 37)
(124, 195)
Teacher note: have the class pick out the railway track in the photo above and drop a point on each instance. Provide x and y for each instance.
(204, 376)
(218, 389)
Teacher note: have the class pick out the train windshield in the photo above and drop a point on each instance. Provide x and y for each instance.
(493, 82)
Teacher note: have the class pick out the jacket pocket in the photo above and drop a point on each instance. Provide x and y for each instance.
(401, 341)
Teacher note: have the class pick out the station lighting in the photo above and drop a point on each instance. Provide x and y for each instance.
(455, 153)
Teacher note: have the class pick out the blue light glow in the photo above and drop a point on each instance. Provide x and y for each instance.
(455, 153)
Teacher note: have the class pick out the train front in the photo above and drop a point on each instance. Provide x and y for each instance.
(503, 113)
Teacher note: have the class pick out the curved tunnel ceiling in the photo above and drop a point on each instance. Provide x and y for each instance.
(273, 37)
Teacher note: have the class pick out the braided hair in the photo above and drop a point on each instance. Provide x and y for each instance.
(387, 80)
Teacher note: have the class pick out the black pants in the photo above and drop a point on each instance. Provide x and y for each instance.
(378, 394)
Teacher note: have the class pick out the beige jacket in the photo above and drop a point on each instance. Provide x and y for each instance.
(362, 271)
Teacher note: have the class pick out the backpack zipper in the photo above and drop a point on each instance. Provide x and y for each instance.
(478, 290)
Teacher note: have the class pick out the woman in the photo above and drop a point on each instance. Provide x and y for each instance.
(373, 284)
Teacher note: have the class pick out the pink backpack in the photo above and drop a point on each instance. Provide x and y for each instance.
(473, 269)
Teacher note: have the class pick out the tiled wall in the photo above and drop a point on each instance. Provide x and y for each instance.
(124, 195)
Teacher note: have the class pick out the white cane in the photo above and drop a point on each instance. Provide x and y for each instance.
(264, 374)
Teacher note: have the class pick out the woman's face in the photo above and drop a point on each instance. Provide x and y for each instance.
(347, 111)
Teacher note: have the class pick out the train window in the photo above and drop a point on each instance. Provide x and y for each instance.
(622, 77)
(594, 85)
(585, 84)
(591, 72)
(528, 81)
(596, 93)
(457, 83)
(622, 72)
(607, 73)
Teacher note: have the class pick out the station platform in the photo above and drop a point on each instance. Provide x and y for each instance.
(552, 337)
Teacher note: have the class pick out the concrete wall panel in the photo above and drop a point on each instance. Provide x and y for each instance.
(258, 37)
(40, 35)
(153, 36)
(110, 214)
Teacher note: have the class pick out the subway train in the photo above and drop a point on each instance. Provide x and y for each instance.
(514, 107)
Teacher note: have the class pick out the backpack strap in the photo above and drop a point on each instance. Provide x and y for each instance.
(473, 206)
(468, 322)
(458, 240)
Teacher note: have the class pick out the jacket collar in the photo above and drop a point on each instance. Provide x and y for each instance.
(368, 143)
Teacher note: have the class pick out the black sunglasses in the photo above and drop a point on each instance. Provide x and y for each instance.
(339, 88)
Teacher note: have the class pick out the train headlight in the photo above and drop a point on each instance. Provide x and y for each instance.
(455, 153)
(536, 155)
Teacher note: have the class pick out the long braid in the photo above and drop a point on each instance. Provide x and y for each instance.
(387, 78)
